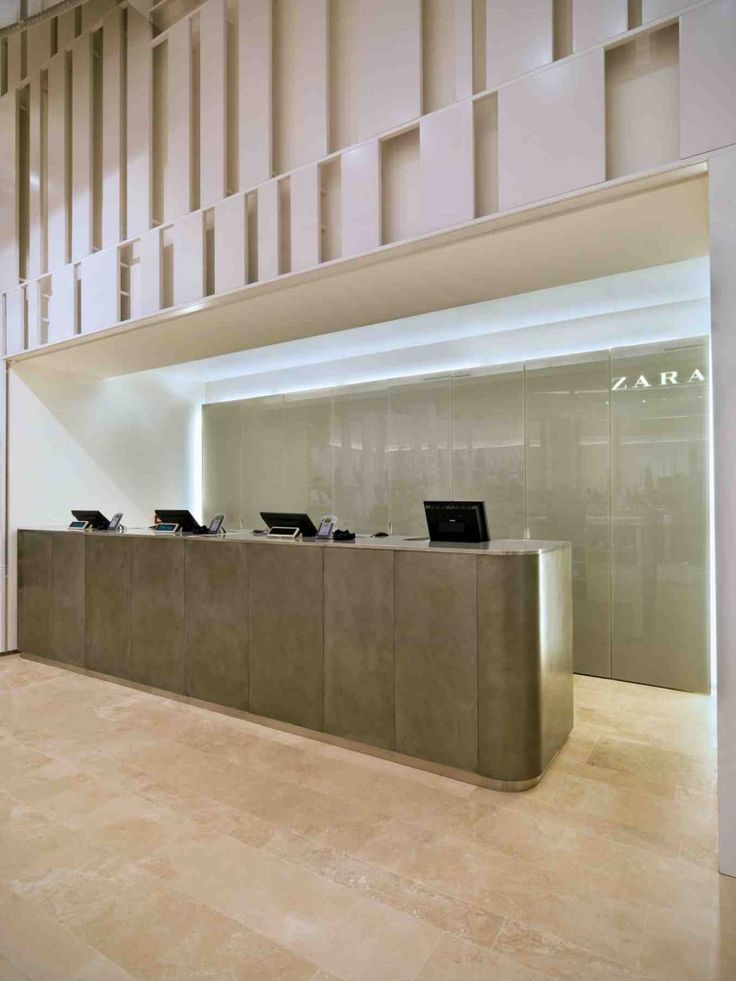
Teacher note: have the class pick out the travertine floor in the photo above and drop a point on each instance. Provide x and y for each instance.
(149, 838)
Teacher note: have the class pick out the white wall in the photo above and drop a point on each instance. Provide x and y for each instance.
(269, 79)
(723, 260)
(126, 444)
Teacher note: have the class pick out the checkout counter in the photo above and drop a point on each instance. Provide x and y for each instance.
(455, 658)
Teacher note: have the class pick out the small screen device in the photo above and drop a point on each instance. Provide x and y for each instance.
(184, 519)
(79, 525)
(215, 526)
(456, 521)
(115, 521)
(285, 519)
(283, 531)
(166, 528)
(94, 519)
(327, 525)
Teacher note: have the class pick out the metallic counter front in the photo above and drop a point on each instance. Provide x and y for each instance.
(458, 658)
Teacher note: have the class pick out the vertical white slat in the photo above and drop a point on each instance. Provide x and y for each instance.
(360, 170)
(707, 78)
(56, 186)
(446, 155)
(39, 44)
(654, 9)
(231, 243)
(268, 230)
(594, 21)
(300, 83)
(112, 112)
(8, 202)
(188, 238)
(33, 314)
(212, 102)
(36, 234)
(390, 64)
(63, 304)
(100, 276)
(13, 59)
(89, 313)
(178, 176)
(81, 146)
(559, 112)
(93, 11)
(138, 135)
(518, 38)
(463, 49)
(148, 298)
(15, 320)
(255, 28)
(65, 34)
(305, 218)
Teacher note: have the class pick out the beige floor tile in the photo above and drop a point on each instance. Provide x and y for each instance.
(492, 823)
(315, 918)
(216, 817)
(535, 950)
(631, 816)
(616, 778)
(510, 888)
(660, 765)
(155, 932)
(41, 950)
(592, 865)
(168, 841)
(33, 848)
(9, 972)
(457, 960)
(672, 951)
(452, 915)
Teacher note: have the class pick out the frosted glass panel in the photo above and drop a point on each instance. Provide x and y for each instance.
(568, 490)
(420, 455)
(488, 447)
(307, 420)
(608, 451)
(659, 426)
(221, 461)
(263, 459)
(360, 448)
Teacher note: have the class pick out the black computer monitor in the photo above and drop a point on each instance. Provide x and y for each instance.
(95, 519)
(184, 519)
(288, 519)
(456, 521)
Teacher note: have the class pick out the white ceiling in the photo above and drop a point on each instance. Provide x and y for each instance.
(660, 303)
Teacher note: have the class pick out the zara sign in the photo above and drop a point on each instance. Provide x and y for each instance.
(662, 379)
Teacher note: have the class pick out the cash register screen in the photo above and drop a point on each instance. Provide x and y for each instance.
(456, 521)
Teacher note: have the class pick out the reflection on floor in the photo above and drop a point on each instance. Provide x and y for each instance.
(142, 837)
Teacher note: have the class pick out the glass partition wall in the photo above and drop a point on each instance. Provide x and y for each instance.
(608, 451)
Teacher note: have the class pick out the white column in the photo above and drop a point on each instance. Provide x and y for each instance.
(723, 355)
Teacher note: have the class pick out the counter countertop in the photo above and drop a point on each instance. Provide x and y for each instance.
(395, 542)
